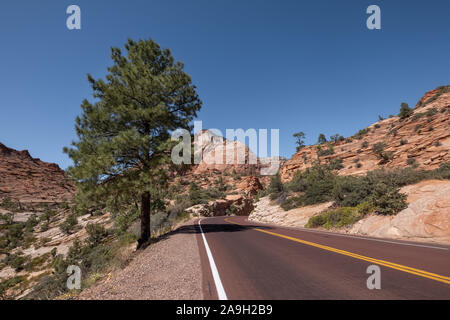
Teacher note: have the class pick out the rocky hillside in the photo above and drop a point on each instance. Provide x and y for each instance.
(29, 179)
(426, 219)
(416, 143)
(422, 138)
(228, 156)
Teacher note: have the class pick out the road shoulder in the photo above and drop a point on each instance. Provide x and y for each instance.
(169, 269)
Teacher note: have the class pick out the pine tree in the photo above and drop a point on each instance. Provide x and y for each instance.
(299, 140)
(124, 137)
(322, 139)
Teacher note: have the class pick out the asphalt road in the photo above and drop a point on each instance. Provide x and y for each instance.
(244, 260)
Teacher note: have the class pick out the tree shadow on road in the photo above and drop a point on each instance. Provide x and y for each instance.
(217, 227)
(206, 228)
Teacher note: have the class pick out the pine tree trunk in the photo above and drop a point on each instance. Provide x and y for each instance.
(145, 219)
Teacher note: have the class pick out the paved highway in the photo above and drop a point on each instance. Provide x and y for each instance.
(245, 260)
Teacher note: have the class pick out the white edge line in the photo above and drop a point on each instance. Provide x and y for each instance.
(219, 287)
(356, 237)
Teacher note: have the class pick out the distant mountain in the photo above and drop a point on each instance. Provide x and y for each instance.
(29, 179)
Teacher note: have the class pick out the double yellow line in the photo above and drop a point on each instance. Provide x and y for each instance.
(388, 264)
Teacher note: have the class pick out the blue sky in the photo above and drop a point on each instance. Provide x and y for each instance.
(309, 66)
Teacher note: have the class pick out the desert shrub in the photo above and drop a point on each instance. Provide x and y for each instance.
(365, 207)
(337, 138)
(10, 283)
(349, 191)
(335, 218)
(417, 127)
(316, 221)
(7, 218)
(443, 172)
(292, 203)
(64, 205)
(47, 215)
(319, 189)
(431, 112)
(340, 217)
(378, 148)
(261, 194)
(325, 152)
(410, 161)
(387, 199)
(405, 111)
(174, 189)
(69, 224)
(178, 207)
(13, 236)
(199, 195)
(11, 205)
(319, 184)
(96, 234)
(361, 133)
(418, 115)
(275, 186)
(365, 144)
(336, 164)
(403, 142)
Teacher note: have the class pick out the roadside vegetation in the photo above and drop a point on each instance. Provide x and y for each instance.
(353, 196)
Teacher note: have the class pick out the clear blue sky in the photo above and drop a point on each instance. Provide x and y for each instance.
(294, 65)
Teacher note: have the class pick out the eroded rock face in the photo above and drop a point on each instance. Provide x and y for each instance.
(232, 205)
(423, 139)
(217, 153)
(268, 212)
(250, 185)
(29, 179)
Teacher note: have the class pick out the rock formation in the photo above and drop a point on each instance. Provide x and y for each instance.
(28, 179)
(422, 138)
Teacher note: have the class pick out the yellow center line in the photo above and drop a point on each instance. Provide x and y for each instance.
(388, 264)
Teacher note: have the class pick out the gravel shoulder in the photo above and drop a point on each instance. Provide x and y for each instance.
(169, 269)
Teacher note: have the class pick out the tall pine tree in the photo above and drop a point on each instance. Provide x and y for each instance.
(124, 137)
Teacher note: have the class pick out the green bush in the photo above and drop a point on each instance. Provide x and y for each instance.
(292, 203)
(199, 195)
(336, 164)
(96, 234)
(69, 224)
(405, 111)
(275, 186)
(378, 148)
(387, 199)
(335, 218)
(10, 283)
(319, 184)
(361, 133)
